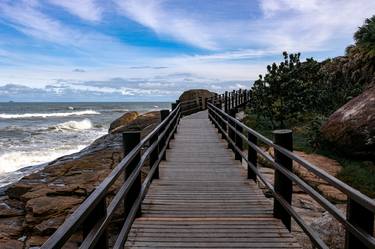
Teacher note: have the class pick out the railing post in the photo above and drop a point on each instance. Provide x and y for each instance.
(236, 102)
(360, 217)
(200, 101)
(226, 102)
(283, 186)
(218, 120)
(252, 157)
(99, 212)
(240, 97)
(174, 105)
(154, 156)
(223, 125)
(130, 140)
(178, 120)
(209, 113)
(231, 132)
(233, 99)
(163, 115)
(239, 143)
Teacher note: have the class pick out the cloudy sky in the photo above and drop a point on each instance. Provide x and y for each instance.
(111, 50)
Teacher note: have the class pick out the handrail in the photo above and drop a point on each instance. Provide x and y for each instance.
(89, 241)
(163, 132)
(223, 121)
(345, 188)
(127, 224)
(72, 223)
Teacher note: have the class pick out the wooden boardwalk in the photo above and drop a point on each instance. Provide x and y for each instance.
(203, 199)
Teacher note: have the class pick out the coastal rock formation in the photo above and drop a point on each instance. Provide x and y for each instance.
(352, 127)
(122, 121)
(196, 93)
(38, 204)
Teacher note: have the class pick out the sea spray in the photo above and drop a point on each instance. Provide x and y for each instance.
(13, 161)
(47, 115)
(74, 125)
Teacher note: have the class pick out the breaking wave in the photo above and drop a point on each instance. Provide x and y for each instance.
(13, 161)
(46, 115)
(74, 125)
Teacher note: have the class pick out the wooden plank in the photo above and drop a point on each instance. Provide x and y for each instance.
(203, 199)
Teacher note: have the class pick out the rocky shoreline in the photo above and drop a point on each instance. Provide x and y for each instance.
(32, 208)
(35, 206)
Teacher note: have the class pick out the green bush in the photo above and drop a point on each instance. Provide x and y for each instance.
(314, 137)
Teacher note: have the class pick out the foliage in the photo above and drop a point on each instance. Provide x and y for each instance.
(365, 37)
(292, 88)
(301, 95)
(313, 134)
(338, 85)
(286, 90)
(359, 175)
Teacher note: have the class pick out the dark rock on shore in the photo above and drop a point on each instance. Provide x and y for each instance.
(352, 127)
(38, 204)
(122, 121)
(195, 94)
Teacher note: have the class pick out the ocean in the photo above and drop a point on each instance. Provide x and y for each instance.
(32, 134)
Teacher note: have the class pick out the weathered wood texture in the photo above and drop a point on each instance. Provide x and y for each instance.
(203, 199)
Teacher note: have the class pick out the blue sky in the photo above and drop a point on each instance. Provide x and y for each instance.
(61, 50)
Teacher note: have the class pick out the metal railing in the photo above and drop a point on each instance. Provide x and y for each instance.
(359, 222)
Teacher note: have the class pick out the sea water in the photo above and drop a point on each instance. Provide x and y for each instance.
(32, 134)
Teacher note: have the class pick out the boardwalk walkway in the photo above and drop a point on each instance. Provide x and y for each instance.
(203, 199)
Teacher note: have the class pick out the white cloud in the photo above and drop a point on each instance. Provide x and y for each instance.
(85, 9)
(27, 17)
(308, 25)
(240, 47)
(152, 14)
(312, 25)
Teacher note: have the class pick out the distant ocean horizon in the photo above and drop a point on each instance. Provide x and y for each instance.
(35, 133)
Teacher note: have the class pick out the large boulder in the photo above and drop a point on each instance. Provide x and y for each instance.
(352, 127)
(195, 93)
(122, 121)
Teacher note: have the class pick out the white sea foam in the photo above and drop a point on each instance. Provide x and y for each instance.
(46, 115)
(74, 125)
(16, 160)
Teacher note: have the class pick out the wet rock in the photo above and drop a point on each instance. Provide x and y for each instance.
(144, 123)
(11, 244)
(122, 121)
(43, 206)
(47, 227)
(38, 204)
(11, 227)
(10, 208)
(36, 241)
(18, 190)
(352, 127)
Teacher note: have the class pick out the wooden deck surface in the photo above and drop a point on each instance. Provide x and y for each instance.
(203, 199)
